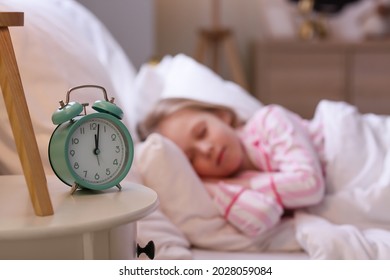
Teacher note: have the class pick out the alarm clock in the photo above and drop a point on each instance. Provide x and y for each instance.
(92, 151)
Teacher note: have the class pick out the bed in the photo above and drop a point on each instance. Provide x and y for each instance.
(350, 223)
(63, 45)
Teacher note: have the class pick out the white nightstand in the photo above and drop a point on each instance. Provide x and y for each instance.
(85, 225)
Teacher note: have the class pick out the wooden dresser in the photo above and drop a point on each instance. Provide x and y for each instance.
(299, 74)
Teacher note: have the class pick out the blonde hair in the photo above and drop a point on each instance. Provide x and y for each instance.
(167, 107)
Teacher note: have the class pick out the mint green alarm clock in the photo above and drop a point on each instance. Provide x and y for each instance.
(93, 151)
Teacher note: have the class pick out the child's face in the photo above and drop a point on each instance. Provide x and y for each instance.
(210, 143)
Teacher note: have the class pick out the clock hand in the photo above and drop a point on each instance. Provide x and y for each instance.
(96, 151)
(97, 157)
(97, 138)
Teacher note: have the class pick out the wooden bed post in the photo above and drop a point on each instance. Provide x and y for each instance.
(19, 117)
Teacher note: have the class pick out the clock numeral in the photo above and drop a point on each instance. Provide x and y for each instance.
(115, 162)
(72, 153)
(85, 173)
(104, 129)
(93, 126)
(108, 172)
(117, 149)
(113, 137)
(97, 177)
(75, 141)
(76, 165)
(82, 130)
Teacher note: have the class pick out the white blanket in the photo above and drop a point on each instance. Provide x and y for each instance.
(353, 221)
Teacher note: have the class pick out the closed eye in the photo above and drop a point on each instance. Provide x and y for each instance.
(201, 132)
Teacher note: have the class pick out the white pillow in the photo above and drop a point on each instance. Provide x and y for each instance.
(186, 203)
(61, 45)
(187, 78)
(147, 84)
(182, 76)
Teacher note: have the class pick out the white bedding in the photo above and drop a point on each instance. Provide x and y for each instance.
(353, 221)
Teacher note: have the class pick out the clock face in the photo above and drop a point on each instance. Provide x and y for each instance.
(97, 151)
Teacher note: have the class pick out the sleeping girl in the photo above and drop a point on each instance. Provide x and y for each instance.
(255, 171)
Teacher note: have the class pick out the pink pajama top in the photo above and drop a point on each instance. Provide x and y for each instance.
(287, 152)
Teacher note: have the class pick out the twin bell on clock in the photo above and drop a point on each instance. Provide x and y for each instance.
(92, 151)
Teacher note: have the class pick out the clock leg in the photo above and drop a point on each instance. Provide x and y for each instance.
(119, 186)
(74, 188)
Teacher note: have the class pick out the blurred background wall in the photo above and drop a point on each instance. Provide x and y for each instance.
(132, 23)
(147, 28)
(150, 28)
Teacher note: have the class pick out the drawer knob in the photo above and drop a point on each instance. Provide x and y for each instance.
(148, 250)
